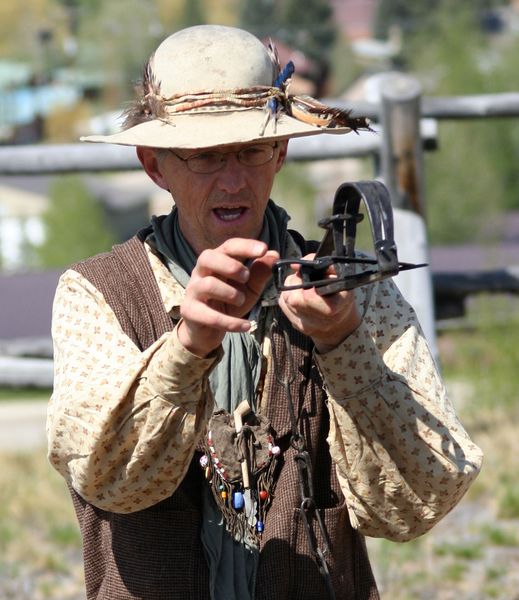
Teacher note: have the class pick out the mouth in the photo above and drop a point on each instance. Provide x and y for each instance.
(229, 214)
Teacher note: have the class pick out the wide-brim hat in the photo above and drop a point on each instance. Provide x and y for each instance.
(212, 85)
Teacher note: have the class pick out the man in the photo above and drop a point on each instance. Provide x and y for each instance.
(218, 441)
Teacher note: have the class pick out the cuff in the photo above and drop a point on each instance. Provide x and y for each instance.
(351, 367)
(175, 369)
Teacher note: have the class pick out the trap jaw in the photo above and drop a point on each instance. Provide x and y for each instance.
(337, 248)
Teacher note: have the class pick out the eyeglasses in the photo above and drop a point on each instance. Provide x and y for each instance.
(212, 160)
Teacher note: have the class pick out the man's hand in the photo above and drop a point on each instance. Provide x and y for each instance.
(222, 290)
(328, 320)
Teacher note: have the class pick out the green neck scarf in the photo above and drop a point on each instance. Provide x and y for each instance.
(236, 376)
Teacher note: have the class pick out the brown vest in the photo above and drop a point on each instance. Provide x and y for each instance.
(156, 553)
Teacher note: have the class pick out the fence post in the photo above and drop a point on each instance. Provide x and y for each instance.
(402, 161)
(402, 171)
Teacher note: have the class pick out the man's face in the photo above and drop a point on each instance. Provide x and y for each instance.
(216, 206)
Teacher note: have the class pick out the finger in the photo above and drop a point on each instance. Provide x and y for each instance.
(243, 248)
(310, 303)
(261, 271)
(233, 256)
(228, 259)
(311, 323)
(289, 312)
(213, 262)
(212, 288)
(204, 315)
(305, 308)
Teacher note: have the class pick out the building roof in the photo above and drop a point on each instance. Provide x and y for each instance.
(355, 17)
(14, 73)
(22, 105)
(474, 257)
(26, 308)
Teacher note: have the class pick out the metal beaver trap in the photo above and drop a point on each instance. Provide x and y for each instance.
(337, 248)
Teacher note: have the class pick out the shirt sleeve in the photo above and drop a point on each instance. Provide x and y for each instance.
(122, 424)
(402, 457)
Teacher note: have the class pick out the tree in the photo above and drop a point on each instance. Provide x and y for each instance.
(74, 225)
(77, 9)
(307, 26)
(114, 42)
(408, 16)
(472, 179)
(192, 14)
(421, 15)
(260, 17)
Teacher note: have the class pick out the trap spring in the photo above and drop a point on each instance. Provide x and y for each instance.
(337, 248)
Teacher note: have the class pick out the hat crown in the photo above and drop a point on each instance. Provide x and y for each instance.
(211, 57)
(196, 93)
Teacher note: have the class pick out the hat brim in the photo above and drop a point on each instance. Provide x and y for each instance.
(204, 130)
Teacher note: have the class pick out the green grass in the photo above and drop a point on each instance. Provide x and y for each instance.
(486, 352)
(65, 534)
(40, 547)
(509, 500)
(21, 394)
(469, 551)
(499, 536)
(491, 591)
(494, 573)
(455, 572)
(39, 535)
(7, 535)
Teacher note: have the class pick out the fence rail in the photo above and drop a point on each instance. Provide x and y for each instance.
(476, 106)
(68, 158)
(39, 159)
(452, 289)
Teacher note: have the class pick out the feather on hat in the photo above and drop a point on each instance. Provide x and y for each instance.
(212, 85)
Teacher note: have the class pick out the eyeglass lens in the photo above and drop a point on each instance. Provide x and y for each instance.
(252, 156)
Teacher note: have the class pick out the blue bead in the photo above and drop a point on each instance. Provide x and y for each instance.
(260, 526)
(238, 501)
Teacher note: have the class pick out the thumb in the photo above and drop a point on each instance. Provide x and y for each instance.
(261, 272)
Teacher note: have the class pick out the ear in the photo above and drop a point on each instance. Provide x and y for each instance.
(283, 147)
(151, 163)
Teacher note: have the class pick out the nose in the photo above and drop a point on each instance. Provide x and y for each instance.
(231, 179)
